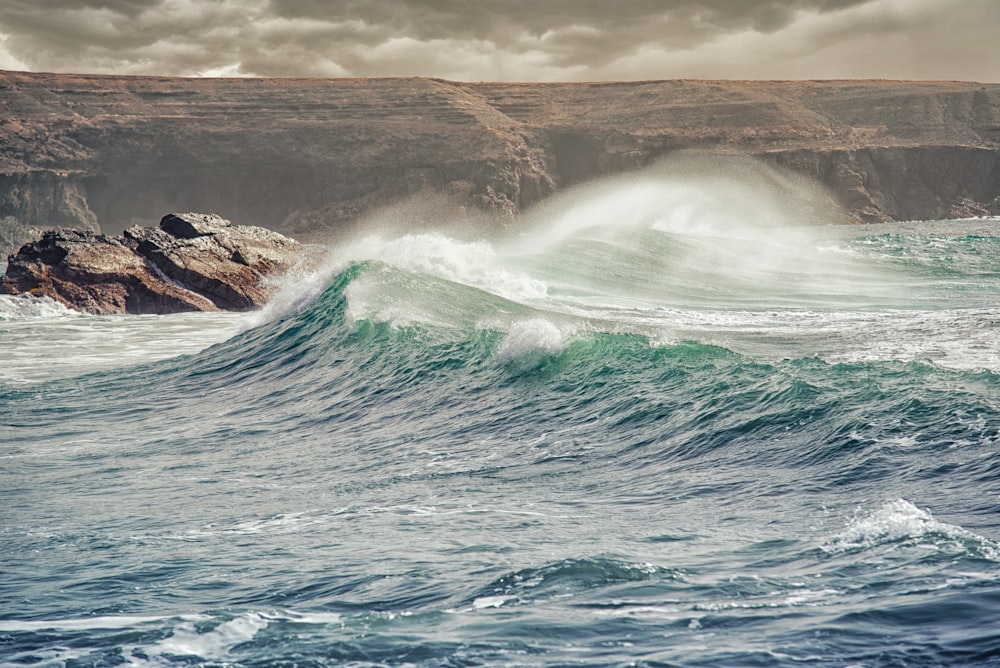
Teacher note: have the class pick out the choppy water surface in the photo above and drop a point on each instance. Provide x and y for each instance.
(667, 424)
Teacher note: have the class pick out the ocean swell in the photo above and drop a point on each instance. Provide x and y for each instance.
(676, 440)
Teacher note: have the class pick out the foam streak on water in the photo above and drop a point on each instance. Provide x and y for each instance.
(42, 340)
(669, 422)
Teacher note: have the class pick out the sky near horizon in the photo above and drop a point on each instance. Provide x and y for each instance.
(508, 40)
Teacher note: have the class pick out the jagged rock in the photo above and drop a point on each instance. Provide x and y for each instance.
(191, 262)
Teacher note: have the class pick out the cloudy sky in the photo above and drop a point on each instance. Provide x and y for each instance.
(512, 40)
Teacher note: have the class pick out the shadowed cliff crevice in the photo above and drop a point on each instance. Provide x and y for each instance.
(576, 159)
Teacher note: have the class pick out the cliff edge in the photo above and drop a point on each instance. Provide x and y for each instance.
(308, 157)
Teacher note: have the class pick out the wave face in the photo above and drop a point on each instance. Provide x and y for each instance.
(672, 422)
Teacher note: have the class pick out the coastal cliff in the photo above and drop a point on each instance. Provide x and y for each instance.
(309, 157)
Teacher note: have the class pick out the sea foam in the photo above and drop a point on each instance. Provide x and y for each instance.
(901, 521)
(16, 307)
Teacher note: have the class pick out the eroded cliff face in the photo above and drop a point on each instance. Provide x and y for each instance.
(34, 200)
(879, 184)
(311, 157)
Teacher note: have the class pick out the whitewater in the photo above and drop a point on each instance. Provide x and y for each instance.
(681, 417)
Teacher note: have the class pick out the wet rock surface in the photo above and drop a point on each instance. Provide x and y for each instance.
(191, 262)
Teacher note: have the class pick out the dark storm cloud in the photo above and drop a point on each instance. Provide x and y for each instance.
(588, 31)
(511, 39)
(437, 19)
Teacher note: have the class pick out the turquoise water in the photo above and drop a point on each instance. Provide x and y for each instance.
(649, 429)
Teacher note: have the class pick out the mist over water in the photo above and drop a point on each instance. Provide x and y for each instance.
(726, 251)
(681, 417)
(700, 232)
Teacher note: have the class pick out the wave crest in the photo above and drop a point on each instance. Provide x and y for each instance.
(901, 522)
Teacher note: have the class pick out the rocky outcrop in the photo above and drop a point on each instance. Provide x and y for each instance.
(311, 157)
(191, 262)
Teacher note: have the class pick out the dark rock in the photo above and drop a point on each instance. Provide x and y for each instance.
(193, 225)
(192, 262)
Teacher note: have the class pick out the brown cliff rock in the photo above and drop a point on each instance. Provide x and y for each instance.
(312, 156)
(192, 262)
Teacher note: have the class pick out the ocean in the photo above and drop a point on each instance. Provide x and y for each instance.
(662, 422)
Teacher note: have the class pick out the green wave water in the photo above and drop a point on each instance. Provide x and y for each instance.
(667, 425)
